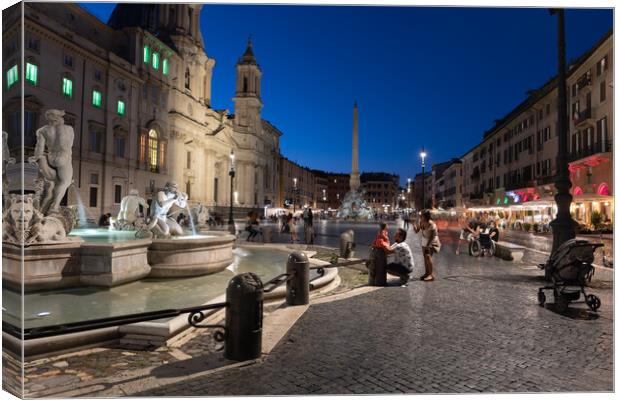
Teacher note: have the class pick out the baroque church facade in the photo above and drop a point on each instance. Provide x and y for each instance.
(137, 92)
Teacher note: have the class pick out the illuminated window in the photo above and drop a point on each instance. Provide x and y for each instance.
(152, 149)
(143, 149)
(162, 155)
(165, 67)
(31, 73)
(120, 107)
(156, 60)
(11, 76)
(97, 98)
(146, 54)
(67, 87)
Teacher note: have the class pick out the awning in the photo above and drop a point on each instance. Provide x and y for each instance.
(592, 197)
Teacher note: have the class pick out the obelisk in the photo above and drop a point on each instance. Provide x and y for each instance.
(354, 180)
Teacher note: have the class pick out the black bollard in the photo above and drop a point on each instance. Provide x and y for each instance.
(377, 261)
(347, 243)
(298, 288)
(244, 317)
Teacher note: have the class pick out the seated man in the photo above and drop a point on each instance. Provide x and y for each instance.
(402, 265)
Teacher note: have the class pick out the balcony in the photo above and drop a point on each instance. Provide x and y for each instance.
(595, 148)
(583, 118)
(584, 81)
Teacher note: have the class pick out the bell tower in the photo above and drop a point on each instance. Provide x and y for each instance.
(248, 103)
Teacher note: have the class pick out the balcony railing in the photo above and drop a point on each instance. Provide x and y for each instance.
(587, 151)
(584, 80)
(582, 117)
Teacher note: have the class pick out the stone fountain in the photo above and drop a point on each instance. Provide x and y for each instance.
(54, 256)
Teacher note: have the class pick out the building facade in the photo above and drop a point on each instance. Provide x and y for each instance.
(381, 190)
(137, 92)
(297, 185)
(515, 163)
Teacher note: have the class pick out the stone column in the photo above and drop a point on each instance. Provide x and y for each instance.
(355, 177)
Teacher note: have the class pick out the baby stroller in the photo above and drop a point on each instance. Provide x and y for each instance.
(481, 245)
(568, 269)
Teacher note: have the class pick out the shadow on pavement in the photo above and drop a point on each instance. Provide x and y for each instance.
(573, 313)
(186, 367)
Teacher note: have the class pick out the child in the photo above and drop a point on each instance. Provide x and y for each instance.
(381, 241)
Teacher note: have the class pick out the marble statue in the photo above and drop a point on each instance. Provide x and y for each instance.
(200, 214)
(128, 218)
(52, 155)
(160, 225)
(25, 225)
(6, 160)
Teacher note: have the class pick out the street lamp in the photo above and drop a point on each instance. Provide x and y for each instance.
(294, 194)
(231, 173)
(324, 199)
(423, 157)
(563, 225)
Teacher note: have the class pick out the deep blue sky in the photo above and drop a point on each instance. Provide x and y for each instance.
(433, 77)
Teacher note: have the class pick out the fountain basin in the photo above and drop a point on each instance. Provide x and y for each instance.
(45, 266)
(112, 264)
(190, 256)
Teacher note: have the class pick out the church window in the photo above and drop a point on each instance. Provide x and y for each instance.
(31, 73)
(165, 66)
(97, 98)
(67, 87)
(162, 155)
(11, 76)
(120, 107)
(153, 141)
(146, 54)
(245, 84)
(155, 60)
(187, 78)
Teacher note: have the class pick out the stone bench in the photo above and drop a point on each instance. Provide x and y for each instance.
(509, 251)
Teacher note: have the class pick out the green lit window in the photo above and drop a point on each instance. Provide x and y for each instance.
(11, 76)
(155, 60)
(147, 54)
(31, 73)
(120, 107)
(97, 98)
(67, 87)
(164, 66)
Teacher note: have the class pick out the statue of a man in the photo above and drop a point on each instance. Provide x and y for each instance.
(163, 200)
(129, 206)
(52, 155)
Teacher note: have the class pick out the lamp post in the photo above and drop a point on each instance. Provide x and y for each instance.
(423, 156)
(563, 225)
(324, 199)
(408, 192)
(294, 194)
(231, 173)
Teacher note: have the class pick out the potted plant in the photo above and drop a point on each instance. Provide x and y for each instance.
(526, 226)
(596, 219)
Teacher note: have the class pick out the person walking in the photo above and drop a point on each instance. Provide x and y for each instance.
(406, 221)
(430, 243)
(308, 226)
(292, 227)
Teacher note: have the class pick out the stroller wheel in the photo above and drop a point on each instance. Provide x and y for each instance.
(593, 302)
(541, 298)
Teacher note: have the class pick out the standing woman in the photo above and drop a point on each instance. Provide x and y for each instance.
(430, 244)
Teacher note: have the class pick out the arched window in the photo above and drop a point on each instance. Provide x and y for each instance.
(603, 189)
(152, 150)
(187, 78)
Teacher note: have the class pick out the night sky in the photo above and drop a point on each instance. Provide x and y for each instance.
(433, 77)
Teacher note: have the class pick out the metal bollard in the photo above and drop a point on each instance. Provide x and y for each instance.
(244, 317)
(377, 261)
(298, 288)
(347, 243)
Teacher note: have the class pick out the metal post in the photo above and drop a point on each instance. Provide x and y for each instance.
(377, 261)
(347, 241)
(231, 221)
(244, 317)
(298, 287)
(563, 225)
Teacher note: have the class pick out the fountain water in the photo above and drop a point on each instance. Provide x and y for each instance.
(191, 219)
(83, 220)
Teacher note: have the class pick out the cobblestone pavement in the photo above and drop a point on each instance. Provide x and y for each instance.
(477, 328)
